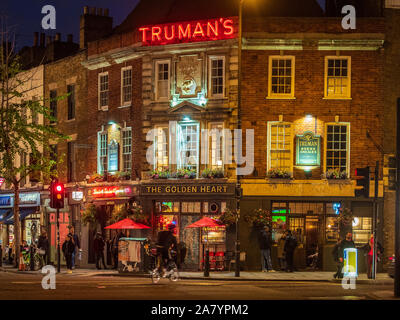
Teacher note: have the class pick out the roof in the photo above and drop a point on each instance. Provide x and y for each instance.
(149, 12)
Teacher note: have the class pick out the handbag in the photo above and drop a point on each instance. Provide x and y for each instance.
(41, 252)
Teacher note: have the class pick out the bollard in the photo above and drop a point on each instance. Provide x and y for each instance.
(207, 264)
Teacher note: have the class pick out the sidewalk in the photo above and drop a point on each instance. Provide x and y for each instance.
(318, 276)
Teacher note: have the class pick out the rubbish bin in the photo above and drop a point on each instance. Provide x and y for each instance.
(350, 263)
(131, 255)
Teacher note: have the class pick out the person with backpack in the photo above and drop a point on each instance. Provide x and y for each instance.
(68, 249)
(290, 246)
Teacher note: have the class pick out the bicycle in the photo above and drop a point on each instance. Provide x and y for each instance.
(38, 261)
(171, 268)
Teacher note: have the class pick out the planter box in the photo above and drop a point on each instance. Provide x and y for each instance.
(339, 181)
(279, 180)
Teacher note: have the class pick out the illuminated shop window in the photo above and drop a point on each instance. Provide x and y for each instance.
(126, 86)
(161, 148)
(280, 146)
(337, 77)
(216, 146)
(362, 229)
(127, 149)
(103, 90)
(337, 145)
(332, 228)
(162, 79)
(217, 76)
(281, 77)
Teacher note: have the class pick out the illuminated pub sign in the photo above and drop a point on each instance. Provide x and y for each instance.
(189, 31)
(209, 189)
(110, 192)
(308, 149)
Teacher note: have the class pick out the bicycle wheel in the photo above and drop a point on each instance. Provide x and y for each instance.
(155, 276)
(37, 263)
(173, 273)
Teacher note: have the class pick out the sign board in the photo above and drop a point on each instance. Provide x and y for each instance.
(29, 199)
(110, 192)
(189, 31)
(204, 189)
(308, 149)
(113, 156)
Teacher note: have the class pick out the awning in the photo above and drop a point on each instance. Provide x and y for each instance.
(23, 213)
(4, 214)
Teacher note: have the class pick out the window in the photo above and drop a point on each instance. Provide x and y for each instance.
(337, 147)
(23, 163)
(53, 156)
(103, 90)
(337, 77)
(71, 101)
(216, 145)
(70, 162)
(217, 76)
(162, 80)
(188, 145)
(126, 86)
(102, 152)
(362, 229)
(281, 77)
(280, 146)
(161, 149)
(34, 113)
(53, 105)
(34, 176)
(127, 149)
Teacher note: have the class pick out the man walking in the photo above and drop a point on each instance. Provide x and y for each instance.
(344, 244)
(76, 243)
(98, 246)
(290, 246)
(265, 241)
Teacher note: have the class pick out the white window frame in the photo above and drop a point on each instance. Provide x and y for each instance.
(156, 64)
(123, 153)
(99, 148)
(210, 142)
(179, 135)
(269, 124)
(337, 96)
(156, 150)
(210, 59)
(348, 144)
(102, 74)
(123, 102)
(290, 95)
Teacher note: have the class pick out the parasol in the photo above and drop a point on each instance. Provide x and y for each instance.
(127, 224)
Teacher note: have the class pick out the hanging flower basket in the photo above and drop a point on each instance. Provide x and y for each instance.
(89, 216)
(228, 217)
(345, 217)
(258, 218)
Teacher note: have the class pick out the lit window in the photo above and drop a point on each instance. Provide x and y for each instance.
(337, 145)
(161, 148)
(127, 149)
(103, 90)
(188, 146)
(216, 145)
(362, 229)
(126, 86)
(281, 77)
(337, 77)
(162, 79)
(102, 152)
(280, 146)
(217, 76)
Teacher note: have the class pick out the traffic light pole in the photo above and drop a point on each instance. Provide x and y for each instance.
(58, 242)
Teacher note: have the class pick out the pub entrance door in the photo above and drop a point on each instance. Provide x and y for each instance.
(312, 235)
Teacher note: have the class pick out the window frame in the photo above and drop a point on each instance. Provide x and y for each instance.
(348, 132)
(53, 103)
(180, 163)
(269, 125)
(71, 101)
(99, 154)
(272, 95)
(123, 102)
(336, 96)
(156, 64)
(102, 74)
(222, 147)
(210, 59)
(167, 137)
(127, 129)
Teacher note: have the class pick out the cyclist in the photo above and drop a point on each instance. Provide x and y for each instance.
(166, 241)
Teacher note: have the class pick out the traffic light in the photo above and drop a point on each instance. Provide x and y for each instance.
(362, 176)
(57, 194)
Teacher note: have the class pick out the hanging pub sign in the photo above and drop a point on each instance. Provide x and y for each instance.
(308, 147)
(189, 31)
(110, 192)
(113, 156)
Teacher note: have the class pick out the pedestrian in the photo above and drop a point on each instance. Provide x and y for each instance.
(76, 243)
(265, 241)
(368, 252)
(115, 246)
(43, 244)
(336, 258)
(346, 243)
(98, 246)
(68, 248)
(290, 246)
(281, 252)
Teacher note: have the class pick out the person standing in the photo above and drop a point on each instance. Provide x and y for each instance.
(346, 243)
(336, 258)
(115, 242)
(265, 241)
(68, 248)
(290, 246)
(43, 244)
(281, 252)
(98, 246)
(76, 243)
(368, 248)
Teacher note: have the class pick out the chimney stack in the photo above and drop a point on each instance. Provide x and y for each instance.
(106, 12)
(35, 39)
(58, 37)
(94, 26)
(85, 10)
(42, 39)
(99, 11)
(69, 38)
(93, 10)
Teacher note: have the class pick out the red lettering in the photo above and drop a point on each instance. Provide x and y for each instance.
(155, 34)
(182, 33)
(228, 24)
(198, 30)
(172, 36)
(144, 33)
(213, 29)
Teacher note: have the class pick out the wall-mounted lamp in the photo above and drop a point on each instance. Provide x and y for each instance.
(309, 117)
(307, 172)
(186, 118)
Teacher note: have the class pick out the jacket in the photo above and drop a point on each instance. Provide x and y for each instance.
(43, 243)
(98, 244)
(265, 240)
(68, 247)
(76, 240)
(281, 246)
(335, 252)
(345, 244)
(166, 239)
(290, 243)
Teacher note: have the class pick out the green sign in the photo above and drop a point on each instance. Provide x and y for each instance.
(308, 149)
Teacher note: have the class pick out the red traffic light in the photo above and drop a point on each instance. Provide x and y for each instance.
(59, 188)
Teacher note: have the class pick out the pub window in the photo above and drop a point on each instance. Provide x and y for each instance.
(70, 162)
(102, 152)
(337, 77)
(280, 146)
(161, 148)
(337, 147)
(103, 90)
(127, 149)
(162, 79)
(188, 146)
(217, 76)
(332, 229)
(126, 86)
(71, 101)
(362, 229)
(53, 105)
(281, 77)
(216, 145)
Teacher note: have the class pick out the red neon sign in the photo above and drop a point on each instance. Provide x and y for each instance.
(191, 31)
(1, 181)
(111, 192)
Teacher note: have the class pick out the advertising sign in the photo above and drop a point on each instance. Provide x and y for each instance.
(308, 148)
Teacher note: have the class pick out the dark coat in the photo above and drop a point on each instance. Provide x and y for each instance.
(68, 247)
(98, 244)
(43, 243)
(166, 239)
(265, 240)
(345, 244)
(290, 243)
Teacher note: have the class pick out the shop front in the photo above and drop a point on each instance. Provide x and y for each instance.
(183, 204)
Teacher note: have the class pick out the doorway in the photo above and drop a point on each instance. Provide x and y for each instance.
(312, 235)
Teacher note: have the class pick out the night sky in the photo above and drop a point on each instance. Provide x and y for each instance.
(24, 16)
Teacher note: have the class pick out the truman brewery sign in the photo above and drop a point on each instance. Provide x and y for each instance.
(308, 147)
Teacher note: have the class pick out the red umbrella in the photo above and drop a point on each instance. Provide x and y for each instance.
(127, 224)
(205, 222)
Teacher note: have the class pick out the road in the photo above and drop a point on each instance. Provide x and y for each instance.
(83, 287)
